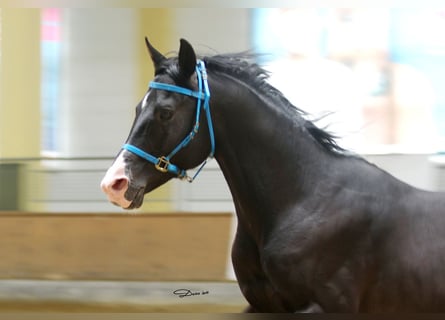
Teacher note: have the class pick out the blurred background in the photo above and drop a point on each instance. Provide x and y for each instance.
(70, 79)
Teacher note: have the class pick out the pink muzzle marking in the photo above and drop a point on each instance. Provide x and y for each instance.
(115, 183)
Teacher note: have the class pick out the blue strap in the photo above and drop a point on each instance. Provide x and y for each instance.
(203, 72)
(156, 161)
(173, 88)
(140, 153)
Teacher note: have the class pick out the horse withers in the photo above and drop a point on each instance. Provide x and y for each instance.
(319, 229)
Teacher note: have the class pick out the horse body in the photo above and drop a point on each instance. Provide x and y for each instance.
(362, 250)
(318, 230)
(323, 229)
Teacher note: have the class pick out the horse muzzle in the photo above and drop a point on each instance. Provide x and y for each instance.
(115, 184)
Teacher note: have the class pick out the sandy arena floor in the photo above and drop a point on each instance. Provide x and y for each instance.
(120, 296)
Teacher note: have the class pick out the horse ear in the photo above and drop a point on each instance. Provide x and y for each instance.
(155, 55)
(187, 59)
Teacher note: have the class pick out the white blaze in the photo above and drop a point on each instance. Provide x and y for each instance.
(144, 101)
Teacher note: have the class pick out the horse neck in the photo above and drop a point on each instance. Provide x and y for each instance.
(267, 156)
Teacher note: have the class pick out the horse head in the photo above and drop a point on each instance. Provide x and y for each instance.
(169, 134)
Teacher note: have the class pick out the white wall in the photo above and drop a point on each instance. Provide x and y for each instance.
(213, 30)
(415, 169)
(98, 80)
(98, 95)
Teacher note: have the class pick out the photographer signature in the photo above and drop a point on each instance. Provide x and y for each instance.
(181, 293)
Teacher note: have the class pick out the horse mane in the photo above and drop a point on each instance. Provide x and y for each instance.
(243, 67)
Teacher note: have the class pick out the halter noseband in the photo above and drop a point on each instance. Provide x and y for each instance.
(162, 163)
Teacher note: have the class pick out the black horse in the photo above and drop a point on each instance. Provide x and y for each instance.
(319, 229)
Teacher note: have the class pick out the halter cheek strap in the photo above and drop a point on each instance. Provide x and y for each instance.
(163, 163)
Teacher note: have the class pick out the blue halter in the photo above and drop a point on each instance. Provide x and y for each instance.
(162, 163)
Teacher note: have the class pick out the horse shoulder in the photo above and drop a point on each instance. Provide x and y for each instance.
(253, 281)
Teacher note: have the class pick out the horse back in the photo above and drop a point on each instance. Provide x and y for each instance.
(406, 253)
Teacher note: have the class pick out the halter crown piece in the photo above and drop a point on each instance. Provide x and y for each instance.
(163, 163)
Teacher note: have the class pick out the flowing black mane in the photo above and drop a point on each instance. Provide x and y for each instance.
(243, 67)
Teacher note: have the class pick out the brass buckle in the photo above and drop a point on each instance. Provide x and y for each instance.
(162, 164)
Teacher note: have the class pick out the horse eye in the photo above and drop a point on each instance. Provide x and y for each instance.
(165, 114)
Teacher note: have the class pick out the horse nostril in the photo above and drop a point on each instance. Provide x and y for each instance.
(120, 184)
